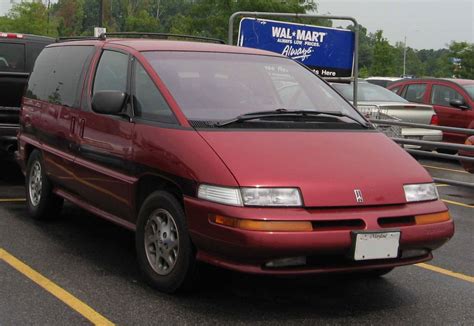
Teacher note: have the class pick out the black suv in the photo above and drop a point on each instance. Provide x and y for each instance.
(18, 53)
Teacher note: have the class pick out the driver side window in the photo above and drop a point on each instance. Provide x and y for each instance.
(111, 73)
(442, 95)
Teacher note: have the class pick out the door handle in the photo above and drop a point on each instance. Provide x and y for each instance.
(73, 125)
(82, 123)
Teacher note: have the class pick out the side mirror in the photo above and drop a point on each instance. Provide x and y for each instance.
(458, 103)
(108, 102)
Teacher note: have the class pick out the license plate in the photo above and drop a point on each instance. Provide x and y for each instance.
(376, 245)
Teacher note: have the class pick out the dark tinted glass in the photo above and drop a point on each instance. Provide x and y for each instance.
(12, 57)
(442, 95)
(415, 92)
(148, 102)
(42, 71)
(65, 81)
(111, 74)
(56, 77)
(32, 52)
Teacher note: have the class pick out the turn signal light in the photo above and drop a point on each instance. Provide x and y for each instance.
(260, 225)
(432, 218)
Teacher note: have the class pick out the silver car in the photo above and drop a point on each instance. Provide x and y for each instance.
(377, 102)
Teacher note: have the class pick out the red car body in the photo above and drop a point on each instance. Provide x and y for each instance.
(468, 166)
(438, 92)
(108, 164)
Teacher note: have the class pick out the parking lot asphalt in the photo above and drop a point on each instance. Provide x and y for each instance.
(81, 269)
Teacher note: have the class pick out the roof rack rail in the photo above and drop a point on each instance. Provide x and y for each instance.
(78, 38)
(162, 35)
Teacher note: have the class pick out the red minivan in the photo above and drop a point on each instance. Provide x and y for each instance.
(232, 156)
(452, 99)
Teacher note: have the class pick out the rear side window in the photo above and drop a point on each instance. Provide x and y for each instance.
(415, 92)
(111, 74)
(12, 57)
(148, 102)
(58, 73)
(441, 95)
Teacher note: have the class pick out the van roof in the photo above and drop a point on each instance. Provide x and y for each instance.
(170, 45)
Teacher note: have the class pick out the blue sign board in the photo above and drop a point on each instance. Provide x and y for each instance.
(329, 51)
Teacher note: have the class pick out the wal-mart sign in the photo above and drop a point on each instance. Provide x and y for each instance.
(328, 51)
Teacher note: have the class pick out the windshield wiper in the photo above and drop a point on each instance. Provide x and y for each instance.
(286, 113)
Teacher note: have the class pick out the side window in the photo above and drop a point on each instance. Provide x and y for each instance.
(148, 102)
(64, 85)
(415, 92)
(441, 95)
(12, 57)
(43, 68)
(111, 73)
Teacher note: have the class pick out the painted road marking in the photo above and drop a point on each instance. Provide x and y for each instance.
(441, 185)
(440, 270)
(445, 169)
(12, 200)
(457, 203)
(66, 297)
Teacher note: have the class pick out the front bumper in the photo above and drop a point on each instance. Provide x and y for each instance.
(327, 249)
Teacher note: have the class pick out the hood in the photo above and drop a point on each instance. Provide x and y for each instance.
(327, 166)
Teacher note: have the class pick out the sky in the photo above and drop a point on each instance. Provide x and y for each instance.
(427, 24)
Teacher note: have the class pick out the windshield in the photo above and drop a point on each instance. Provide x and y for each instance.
(12, 57)
(470, 90)
(368, 92)
(218, 86)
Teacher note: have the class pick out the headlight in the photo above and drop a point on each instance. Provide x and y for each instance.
(420, 192)
(221, 195)
(251, 196)
(271, 197)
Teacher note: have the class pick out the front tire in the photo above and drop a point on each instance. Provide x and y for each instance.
(164, 250)
(42, 203)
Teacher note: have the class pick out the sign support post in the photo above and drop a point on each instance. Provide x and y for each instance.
(355, 68)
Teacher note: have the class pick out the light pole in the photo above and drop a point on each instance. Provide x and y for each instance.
(404, 56)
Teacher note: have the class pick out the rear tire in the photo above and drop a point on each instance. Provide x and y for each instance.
(164, 250)
(42, 203)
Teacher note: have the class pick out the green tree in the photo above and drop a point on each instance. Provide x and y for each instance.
(29, 18)
(462, 52)
(141, 22)
(210, 17)
(70, 15)
(383, 60)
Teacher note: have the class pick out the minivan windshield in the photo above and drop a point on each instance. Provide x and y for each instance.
(219, 86)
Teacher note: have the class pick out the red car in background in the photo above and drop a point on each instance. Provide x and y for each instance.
(232, 156)
(452, 99)
(468, 166)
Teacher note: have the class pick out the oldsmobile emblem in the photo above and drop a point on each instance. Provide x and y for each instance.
(358, 196)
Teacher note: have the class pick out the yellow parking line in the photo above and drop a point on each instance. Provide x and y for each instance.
(11, 200)
(441, 185)
(440, 270)
(66, 297)
(445, 169)
(457, 203)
